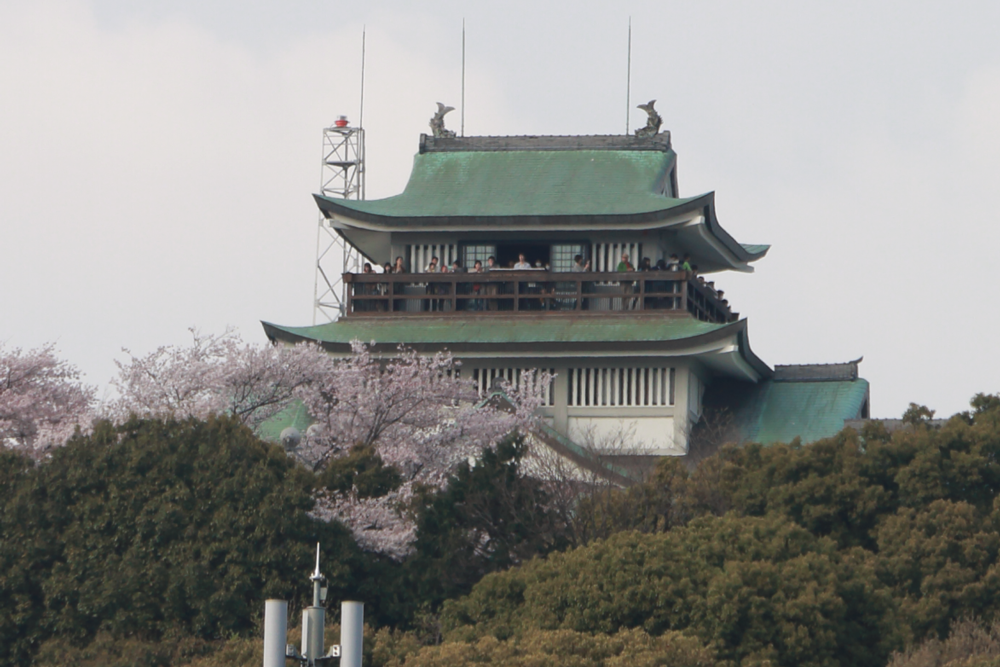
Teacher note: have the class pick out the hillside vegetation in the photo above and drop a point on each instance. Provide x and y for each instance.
(167, 536)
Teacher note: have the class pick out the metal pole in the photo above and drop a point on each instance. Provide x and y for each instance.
(314, 619)
(313, 622)
(628, 77)
(275, 632)
(463, 77)
(352, 633)
(361, 113)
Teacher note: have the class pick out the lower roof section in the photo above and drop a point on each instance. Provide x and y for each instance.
(779, 411)
(724, 348)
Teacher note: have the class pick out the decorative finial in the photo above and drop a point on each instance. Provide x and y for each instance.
(653, 122)
(316, 575)
(437, 122)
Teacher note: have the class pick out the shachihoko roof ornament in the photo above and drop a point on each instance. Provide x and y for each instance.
(653, 121)
(437, 122)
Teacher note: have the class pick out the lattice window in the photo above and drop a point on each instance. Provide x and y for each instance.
(563, 256)
(621, 387)
(471, 253)
(484, 379)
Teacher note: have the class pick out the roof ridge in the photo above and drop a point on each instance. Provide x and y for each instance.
(835, 372)
(535, 142)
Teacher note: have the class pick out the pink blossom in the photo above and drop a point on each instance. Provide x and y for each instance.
(215, 374)
(42, 400)
(420, 416)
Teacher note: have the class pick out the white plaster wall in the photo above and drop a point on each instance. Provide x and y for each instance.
(628, 435)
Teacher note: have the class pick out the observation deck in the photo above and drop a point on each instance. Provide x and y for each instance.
(535, 292)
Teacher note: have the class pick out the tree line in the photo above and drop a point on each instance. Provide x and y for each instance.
(160, 535)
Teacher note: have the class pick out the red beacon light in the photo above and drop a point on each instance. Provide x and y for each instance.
(341, 122)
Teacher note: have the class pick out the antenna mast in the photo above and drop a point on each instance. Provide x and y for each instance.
(342, 175)
(628, 77)
(463, 76)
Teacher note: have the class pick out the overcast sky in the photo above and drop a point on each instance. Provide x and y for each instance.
(157, 158)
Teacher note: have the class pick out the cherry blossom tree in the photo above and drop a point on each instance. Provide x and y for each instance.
(415, 412)
(215, 374)
(42, 400)
(420, 416)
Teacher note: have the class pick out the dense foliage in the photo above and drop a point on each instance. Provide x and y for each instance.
(414, 412)
(777, 552)
(489, 518)
(836, 553)
(754, 589)
(160, 535)
(152, 528)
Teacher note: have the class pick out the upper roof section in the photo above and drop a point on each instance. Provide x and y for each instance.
(536, 183)
(533, 176)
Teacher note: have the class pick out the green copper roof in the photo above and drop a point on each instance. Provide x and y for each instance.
(492, 330)
(780, 411)
(294, 415)
(529, 183)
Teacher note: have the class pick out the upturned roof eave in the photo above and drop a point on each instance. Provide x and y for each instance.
(343, 211)
(342, 214)
(702, 342)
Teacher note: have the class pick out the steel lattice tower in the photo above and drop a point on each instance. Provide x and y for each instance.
(342, 175)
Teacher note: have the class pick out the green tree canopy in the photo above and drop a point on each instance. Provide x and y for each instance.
(753, 589)
(156, 527)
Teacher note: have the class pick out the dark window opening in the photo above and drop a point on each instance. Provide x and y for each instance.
(507, 254)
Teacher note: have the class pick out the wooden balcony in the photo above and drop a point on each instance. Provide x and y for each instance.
(507, 293)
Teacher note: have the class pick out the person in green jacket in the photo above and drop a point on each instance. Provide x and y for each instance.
(627, 286)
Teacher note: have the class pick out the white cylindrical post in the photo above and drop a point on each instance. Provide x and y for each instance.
(352, 633)
(313, 621)
(275, 632)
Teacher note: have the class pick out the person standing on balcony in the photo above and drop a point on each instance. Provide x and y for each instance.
(522, 265)
(625, 266)
(581, 266)
(383, 288)
(476, 288)
(431, 288)
(442, 288)
(399, 305)
(491, 288)
(363, 290)
(686, 264)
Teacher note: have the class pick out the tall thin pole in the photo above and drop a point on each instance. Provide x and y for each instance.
(628, 77)
(361, 117)
(361, 113)
(463, 76)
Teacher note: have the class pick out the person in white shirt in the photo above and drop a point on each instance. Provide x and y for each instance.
(522, 263)
(432, 288)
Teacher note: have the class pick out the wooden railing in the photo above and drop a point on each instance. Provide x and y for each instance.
(506, 292)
